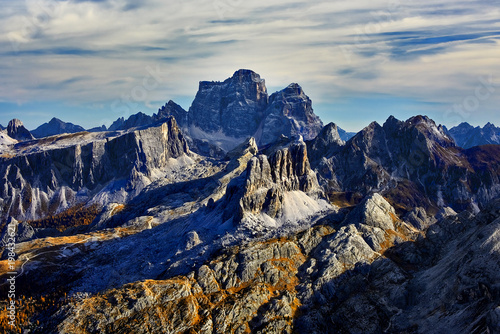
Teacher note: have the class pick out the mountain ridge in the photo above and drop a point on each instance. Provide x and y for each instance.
(159, 225)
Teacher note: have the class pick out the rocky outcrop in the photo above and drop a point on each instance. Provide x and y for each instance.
(240, 107)
(55, 127)
(467, 136)
(245, 289)
(134, 121)
(262, 188)
(326, 143)
(234, 107)
(326, 278)
(413, 163)
(16, 130)
(289, 113)
(17, 231)
(443, 282)
(40, 183)
(175, 110)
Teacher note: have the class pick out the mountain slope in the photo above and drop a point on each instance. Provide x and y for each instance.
(415, 163)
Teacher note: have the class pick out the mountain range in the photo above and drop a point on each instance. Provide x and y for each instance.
(245, 214)
(467, 136)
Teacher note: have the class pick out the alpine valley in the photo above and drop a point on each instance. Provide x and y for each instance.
(246, 214)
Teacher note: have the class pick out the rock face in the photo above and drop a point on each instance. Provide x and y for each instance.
(467, 136)
(16, 130)
(34, 184)
(326, 143)
(224, 114)
(414, 163)
(290, 113)
(175, 110)
(55, 127)
(262, 188)
(234, 107)
(240, 107)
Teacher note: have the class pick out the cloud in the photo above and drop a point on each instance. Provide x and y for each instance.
(85, 53)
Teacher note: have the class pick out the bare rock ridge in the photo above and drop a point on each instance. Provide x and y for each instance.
(281, 168)
(16, 130)
(233, 107)
(290, 113)
(414, 163)
(38, 183)
(55, 127)
(467, 136)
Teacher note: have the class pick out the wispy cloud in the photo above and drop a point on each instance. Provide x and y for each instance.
(431, 54)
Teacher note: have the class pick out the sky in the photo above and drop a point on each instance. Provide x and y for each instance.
(91, 62)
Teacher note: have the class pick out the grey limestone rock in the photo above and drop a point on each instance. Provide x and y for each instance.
(22, 231)
(233, 107)
(290, 113)
(32, 184)
(373, 211)
(262, 187)
(16, 130)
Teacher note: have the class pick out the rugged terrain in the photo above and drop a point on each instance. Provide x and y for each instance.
(467, 136)
(188, 222)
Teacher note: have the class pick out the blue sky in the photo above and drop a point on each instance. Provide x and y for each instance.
(90, 62)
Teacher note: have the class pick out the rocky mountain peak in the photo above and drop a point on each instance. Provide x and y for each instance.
(55, 120)
(55, 127)
(246, 76)
(330, 135)
(467, 136)
(175, 110)
(233, 107)
(269, 177)
(290, 113)
(489, 125)
(328, 142)
(16, 130)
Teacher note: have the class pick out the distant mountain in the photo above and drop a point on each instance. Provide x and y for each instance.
(16, 130)
(228, 112)
(467, 136)
(139, 119)
(1, 127)
(344, 135)
(413, 163)
(98, 129)
(56, 127)
(224, 114)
